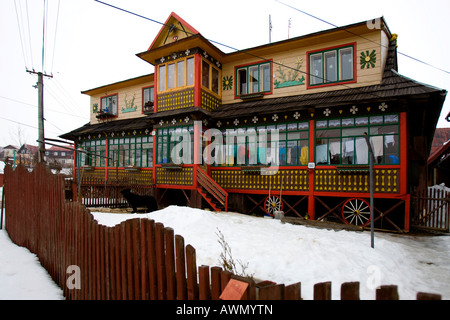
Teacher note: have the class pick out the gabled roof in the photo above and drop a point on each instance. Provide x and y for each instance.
(174, 29)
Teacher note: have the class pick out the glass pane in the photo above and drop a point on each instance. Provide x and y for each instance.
(346, 63)
(215, 81)
(348, 150)
(334, 123)
(253, 79)
(180, 73)
(205, 74)
(171, 76)
(348, 132)
(377, 147)
(348, 122)
(242, 81)
(376, 120)
(190, 72)
(335, 151)
(322, 152)
(364, 121)
(391, 118)
(266, 77)
(391, 147)
(328, 133)
(162, 78)
(316, 74)
(330, 66)
(362, 151)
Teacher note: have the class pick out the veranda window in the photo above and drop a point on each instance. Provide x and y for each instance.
(94, 149)
(131, 152)
(242, 146)
(342, 142)
(175, 145)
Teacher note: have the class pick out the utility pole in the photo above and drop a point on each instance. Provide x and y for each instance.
(40, 87)
(270, 28)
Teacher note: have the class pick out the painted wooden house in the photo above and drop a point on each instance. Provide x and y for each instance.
(322, 94)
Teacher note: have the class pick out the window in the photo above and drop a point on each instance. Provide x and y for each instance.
(135, 152)
(254, 79)
(109, 104)
(96, 152)
(176, 75)
(241, 146)
(342, 141)
(148, 96)
(181, 138)
(331, 66)
(210, 77)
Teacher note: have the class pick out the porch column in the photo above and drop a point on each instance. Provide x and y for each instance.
(311, 201)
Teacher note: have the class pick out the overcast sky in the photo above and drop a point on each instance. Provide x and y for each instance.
(88, 44)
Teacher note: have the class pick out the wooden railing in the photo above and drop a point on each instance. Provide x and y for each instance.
(212, 188)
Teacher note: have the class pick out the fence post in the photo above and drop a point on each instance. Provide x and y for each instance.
(322, 291)
(203, 283)
(216, 285)
(191, 268)
(160, 261)
(387, 293)
(170, 264)
(350, 291)
(181, 268)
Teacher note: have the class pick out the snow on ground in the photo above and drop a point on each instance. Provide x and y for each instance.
(274, 251)
(21, 275)
(286, 253)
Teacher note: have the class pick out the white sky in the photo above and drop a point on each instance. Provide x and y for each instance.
(96, 45)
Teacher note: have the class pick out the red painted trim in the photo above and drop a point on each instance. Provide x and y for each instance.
(403, 153)
(154, 154)
(198, 80)
(155, 91)
(312, 148)
(308, 86)
(176, 17)
(251, 64)
(172, 186)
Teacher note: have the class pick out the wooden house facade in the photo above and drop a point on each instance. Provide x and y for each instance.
(281, 126)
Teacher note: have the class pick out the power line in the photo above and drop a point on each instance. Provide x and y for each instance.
(383, 45)
(230, 47)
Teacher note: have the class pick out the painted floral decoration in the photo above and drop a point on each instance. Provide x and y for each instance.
(227, 82)
(367, 59)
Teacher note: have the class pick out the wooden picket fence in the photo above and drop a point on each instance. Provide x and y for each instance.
(137, 259)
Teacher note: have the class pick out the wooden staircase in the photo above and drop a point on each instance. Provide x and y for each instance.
(214, 194)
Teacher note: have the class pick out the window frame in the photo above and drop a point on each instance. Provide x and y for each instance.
(247, 67)
(175, 64)
(338, 72)
(151, 95)
(134, 144)
(351, 139)
(210, 77)
(252, 156)
(116, 113)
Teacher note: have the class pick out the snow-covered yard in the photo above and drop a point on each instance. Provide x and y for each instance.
(274, 251)
(286, 253)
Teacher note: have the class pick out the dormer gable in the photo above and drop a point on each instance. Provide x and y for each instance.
(174, 29)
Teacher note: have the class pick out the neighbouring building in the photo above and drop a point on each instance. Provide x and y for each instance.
(323, 93)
